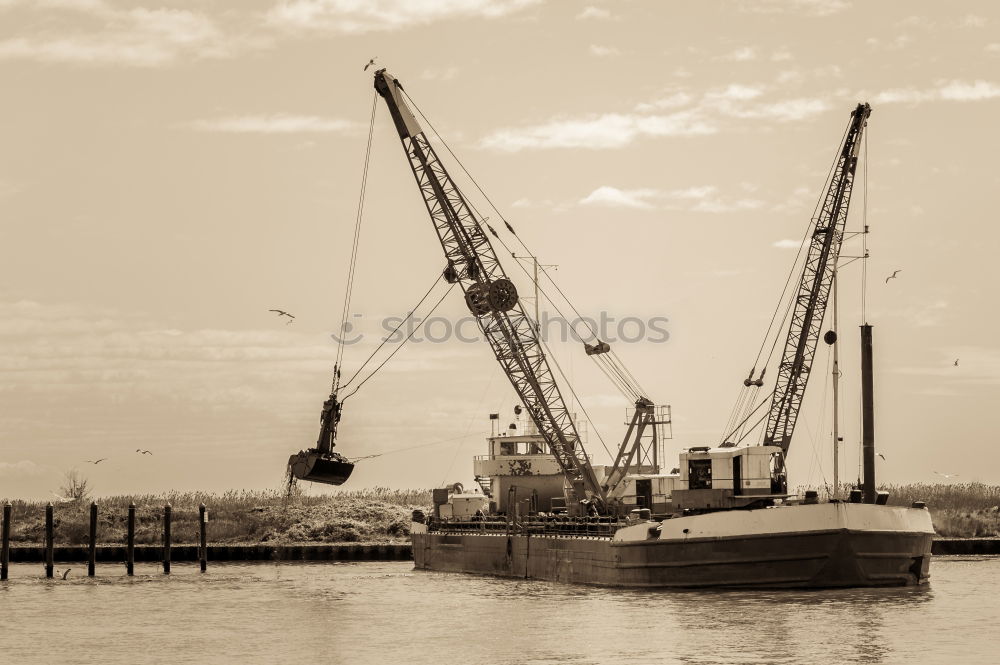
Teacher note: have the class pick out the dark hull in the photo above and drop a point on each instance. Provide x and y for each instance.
(821, 559)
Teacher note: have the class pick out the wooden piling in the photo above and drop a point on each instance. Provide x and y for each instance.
(203, 541)
(50, 563)
(5, 541)
(166, 539)
(130, 542)
(92, 549)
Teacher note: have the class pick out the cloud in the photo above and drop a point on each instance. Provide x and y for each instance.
(973, 21)
(993, 48)
(694, 199)
(960, 91)
(611, 130)
(669, 102)
(603, 51)
(95, 33)
(354, 17)
(620, 198)
(813, 7)
(597, 13)
(787, 243)
(690, 116)
(744, 54)
(20, 468)
(949, 91)
(276, 123)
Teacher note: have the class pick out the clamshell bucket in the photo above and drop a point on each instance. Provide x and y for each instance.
(314, 466)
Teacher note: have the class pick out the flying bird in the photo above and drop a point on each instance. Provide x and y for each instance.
(371, 63)
(892, 276)
(882, 456)
(90, 461)
(956, 362)
(281, 313)
(947, 475)
(144, 452)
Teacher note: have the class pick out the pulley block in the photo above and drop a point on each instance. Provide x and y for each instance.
(503, 295)
(477, 297)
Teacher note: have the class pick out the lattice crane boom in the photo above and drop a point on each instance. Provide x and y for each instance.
(490, 295)
(814, 288)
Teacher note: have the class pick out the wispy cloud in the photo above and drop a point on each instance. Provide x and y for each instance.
(20, 468)
(787, 243)
(96, 33)
(814, 7)
(598, 13)
(603, 51)
(354, 17)
(620, 198)
(949, 91)
(611, 130)
(696, 199)
(277, 123)
(690, 116)
(973, 21)
(744, 54)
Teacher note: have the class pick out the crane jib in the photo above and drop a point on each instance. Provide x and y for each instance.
(490, 295)
(814, 288)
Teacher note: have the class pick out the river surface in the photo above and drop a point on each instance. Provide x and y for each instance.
(385, 612)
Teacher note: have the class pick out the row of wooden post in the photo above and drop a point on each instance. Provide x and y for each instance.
(92, 548)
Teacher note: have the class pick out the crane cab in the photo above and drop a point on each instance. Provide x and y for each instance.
(727, 477)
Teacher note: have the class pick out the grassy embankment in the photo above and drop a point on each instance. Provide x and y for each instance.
(379, 515)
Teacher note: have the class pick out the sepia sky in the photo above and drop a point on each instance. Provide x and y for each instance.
(169, 172)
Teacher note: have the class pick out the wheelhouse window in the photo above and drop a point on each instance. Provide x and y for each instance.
(700, 474)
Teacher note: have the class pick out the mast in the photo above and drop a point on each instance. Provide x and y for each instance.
(814, 290)
(491, 296)
(867, 415)
(836, 393)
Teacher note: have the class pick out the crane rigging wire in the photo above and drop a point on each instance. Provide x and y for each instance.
(437, 278)
(633, 389)
(354, 247)
(787, 298)
(401, 344)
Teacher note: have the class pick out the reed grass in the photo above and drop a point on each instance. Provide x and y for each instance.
(377, 515)
(958, 510)
(380, 515)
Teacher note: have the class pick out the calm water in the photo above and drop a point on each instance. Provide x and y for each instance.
(388, 613)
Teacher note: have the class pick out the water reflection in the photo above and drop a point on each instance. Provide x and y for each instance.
(386, 612)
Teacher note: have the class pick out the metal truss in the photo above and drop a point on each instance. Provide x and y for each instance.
(814, 289)
(473, 263)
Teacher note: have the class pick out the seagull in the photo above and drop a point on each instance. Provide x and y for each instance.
(956, 362)
(892, 276)
(371, 63)
(281, 313)
(947, 475)
(90, 461)
(144, 452)
(882, 456)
